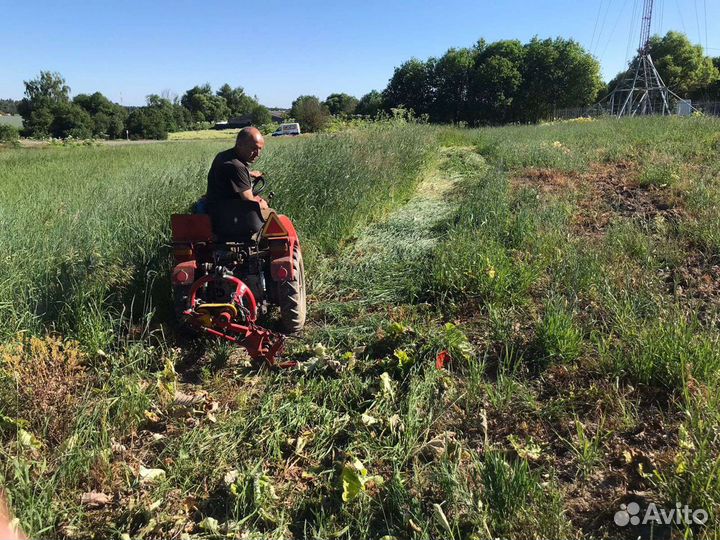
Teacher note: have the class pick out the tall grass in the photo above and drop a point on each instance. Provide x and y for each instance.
(85, 230)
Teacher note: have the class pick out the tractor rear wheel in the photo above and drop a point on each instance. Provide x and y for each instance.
(291, 297)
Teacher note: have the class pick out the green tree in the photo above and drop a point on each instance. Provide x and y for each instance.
(174, 119)
(260, 115)
(683, 66)
(9, 106)
(410, 86)
(42, 96)
(370, 104)
(310, 113)
(238, 102)
(495, 81)
(147, 123)
(71, 120)
(108, 117)
(94, 103)
(341, 104)
(48, 85)
(557, 73)
(451, 81)
(38, 123)
(204, 105)
(713, 90)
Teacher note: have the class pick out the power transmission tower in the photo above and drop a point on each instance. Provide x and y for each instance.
(642, 91)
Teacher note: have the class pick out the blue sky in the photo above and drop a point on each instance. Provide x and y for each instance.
(278, 50)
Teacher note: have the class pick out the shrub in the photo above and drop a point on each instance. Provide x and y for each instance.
(312, 115)
(8, 134)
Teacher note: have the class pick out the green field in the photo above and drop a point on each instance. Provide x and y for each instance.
(204, 134)
(571, 270)
(11, 120)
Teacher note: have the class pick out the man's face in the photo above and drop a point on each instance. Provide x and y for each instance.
(250, 151)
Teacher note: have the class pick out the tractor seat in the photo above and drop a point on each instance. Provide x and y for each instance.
(235, 220)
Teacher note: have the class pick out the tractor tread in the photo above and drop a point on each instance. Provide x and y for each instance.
(292, 297)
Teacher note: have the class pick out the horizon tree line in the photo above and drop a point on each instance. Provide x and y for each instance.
(486, 84)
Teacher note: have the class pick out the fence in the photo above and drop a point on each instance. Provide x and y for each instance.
(708, 108)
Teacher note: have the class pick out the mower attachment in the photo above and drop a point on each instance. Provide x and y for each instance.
(235, 321)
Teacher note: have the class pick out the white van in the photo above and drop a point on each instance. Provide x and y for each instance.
(287, 129)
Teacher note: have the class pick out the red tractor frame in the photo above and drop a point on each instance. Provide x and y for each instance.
(221, 287)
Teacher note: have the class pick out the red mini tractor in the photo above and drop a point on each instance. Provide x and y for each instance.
(231, 266)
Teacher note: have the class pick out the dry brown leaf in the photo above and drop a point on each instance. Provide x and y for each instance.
(95, 499)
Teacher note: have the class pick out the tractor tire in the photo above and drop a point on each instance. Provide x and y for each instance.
(291, 297)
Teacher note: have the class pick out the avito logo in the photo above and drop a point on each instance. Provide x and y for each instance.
(680, 515)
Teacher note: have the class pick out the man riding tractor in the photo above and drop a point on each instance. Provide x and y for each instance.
(230, 176)
(236, 257)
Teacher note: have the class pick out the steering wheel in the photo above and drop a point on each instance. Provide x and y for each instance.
(259, 185)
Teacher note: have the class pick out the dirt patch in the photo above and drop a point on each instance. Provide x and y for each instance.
(696, 283)
(603, 193)
(629, 447)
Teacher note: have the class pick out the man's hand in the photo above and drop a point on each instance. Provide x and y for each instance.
(263, 203)
(8, 527)
(256, 174)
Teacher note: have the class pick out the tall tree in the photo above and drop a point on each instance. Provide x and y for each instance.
(683, 66)
(49, 85)
(451, 81)
(238, 102)
(204, 105)
(341, 104)
(556, 73)
(108, 117)
(42, 96)
(147, 123)
(411, 86)
(310, 113)
(495, 81)
(370, 104)
(260, 115)
(71, 120)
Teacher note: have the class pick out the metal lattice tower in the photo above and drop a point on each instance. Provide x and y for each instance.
(642, 91)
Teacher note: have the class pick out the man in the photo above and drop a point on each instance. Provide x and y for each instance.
(230, 176)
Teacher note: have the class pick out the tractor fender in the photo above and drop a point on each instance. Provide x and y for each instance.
(282, 238)
(184, 273)
(289, 227)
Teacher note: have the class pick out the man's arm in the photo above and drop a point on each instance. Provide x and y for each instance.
(242, 182)
(248, 196)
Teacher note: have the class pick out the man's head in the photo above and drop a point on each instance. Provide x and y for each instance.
(249, 144)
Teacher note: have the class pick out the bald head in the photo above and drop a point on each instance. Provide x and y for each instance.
(249, 144)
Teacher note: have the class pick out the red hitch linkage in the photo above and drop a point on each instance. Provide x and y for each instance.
(217, 320)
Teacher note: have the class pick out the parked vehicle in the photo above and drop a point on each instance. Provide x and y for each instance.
(287, 129)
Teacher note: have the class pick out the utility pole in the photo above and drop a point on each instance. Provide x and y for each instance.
(642, 91)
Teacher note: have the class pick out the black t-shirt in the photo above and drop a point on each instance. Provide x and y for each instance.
(228, 177)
